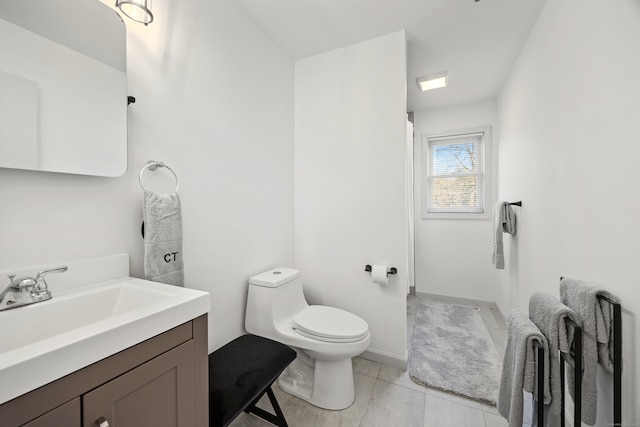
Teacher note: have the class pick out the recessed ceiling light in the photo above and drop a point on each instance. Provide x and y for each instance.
(432, 82)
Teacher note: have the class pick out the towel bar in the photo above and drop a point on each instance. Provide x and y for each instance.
(540, 399)
(617, 360)
(577, 360)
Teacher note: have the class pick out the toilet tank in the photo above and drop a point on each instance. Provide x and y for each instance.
(275, 278)
(273, 296)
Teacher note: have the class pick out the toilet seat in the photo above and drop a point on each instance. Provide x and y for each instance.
(330, 324)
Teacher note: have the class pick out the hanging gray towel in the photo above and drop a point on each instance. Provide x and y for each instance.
(597, 337)
(497, 258)
(550, 315)
(504, 221)
(508, 219)
(519, 367)
(163, 260)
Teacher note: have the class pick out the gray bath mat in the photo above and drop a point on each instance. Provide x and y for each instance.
(453, 351)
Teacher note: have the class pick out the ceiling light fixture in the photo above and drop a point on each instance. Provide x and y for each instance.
(432, 82)
(137, 10)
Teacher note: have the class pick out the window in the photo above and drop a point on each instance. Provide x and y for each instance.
(456, 179)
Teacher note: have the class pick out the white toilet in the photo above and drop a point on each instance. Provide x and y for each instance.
(325, 338)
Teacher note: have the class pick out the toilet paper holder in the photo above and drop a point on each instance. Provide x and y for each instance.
(392, 270)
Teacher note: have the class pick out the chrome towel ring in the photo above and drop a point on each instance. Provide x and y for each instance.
(153, 165)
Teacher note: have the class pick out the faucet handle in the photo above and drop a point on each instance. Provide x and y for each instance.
(60, 269)
(41, 289)
(11, 277)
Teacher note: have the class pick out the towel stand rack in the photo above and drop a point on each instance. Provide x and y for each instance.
(577, 362)
(540, 398)
(518, 203)
(617, 360)
(574, 356)
(577, 357)
(617, 365)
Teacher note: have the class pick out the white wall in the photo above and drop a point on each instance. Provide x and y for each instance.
(215, 102)
(349, 193)
(569, 133)
(453, 256)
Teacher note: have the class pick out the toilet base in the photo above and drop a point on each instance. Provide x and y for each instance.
(325, 384)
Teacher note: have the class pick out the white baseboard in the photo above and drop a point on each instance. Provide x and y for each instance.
(457, 300)
(386, 358)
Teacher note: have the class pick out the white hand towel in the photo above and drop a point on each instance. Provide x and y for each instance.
(163, 260)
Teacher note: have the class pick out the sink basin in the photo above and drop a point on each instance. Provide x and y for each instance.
(47, 340)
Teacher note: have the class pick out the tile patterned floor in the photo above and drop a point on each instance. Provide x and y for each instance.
(387, 397)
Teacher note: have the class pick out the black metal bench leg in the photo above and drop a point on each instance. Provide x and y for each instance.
(277, 419)
(276, 407)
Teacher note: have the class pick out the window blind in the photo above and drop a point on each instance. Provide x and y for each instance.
(455, 178)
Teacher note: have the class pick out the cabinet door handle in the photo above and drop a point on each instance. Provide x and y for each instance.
(102, 422)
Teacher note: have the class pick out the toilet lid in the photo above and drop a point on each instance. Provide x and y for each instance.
(330, 324)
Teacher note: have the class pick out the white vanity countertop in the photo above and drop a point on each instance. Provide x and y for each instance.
(45, 341)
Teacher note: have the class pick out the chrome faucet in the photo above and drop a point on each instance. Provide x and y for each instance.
(27, 290)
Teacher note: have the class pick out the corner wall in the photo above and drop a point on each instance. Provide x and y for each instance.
(569, 133)
(350, 184)
(214, 100)
(452, 256)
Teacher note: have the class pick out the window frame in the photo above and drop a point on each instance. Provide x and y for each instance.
(487, 188)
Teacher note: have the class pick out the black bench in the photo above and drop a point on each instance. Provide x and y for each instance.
(240, 373)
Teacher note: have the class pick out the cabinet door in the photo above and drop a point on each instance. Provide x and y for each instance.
(158, 393)
(67, 415)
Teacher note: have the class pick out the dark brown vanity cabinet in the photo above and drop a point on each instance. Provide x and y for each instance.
(67, 415)
(158, 393)
(161, 382)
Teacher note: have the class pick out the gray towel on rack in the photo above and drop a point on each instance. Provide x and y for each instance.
(504, 221)
(519, 367)
(597, 337)
(163, 238)
(508, 219)
(550, 316)
(497, 258)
